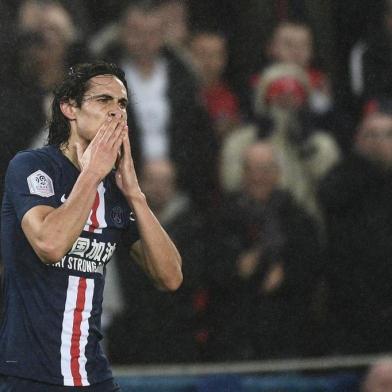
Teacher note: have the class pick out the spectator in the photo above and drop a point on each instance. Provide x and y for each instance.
(172, 326)
(47, 45)
(175, 19)
(292, 42)
(59, 38)
(166, 118)
(267, 252)
(208, 51)
(281, 107)
(175, 15)
(355, 197)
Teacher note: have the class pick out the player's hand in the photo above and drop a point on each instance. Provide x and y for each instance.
(100, 155)
(126, 178)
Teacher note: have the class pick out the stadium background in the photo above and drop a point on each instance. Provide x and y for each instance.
(337, 27)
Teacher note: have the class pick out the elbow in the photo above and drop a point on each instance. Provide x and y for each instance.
(173, 281)
(49, 253)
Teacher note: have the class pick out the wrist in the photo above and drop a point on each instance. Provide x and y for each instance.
(136, 198)
(90, 177)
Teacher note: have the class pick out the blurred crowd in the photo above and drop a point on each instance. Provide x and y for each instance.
(269, 164)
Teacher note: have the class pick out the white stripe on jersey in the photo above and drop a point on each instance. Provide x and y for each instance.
(101, 208)
(88, 306)
(96, 220)
(76, 315)
(66, 333)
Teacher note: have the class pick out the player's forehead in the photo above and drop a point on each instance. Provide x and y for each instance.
(106, 84)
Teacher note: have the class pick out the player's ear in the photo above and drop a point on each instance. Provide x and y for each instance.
(68, 109)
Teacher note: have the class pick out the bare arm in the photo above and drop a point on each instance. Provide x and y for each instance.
(52, 231)
(155, 251)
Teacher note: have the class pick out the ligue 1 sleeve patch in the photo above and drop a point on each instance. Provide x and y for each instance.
(40, 184)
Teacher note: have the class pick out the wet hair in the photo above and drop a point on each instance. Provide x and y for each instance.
(73, 88)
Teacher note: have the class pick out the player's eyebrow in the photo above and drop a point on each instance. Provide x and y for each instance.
(123, 100)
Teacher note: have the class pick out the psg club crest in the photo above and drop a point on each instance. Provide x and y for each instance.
(117, 216)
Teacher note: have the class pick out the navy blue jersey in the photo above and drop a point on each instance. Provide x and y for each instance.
(51, 327)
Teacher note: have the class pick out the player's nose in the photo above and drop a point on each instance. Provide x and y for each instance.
(116, 114)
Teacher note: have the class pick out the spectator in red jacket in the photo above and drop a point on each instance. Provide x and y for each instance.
(208, 51)
(292, 42)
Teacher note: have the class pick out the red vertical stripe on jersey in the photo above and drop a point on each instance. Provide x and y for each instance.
(94, 220)
(75, 340)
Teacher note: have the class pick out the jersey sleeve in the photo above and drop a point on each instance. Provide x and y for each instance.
(30, 182)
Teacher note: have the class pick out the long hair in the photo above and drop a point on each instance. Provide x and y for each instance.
(73, 87)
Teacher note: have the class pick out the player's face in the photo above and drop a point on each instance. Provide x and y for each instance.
(105, 96)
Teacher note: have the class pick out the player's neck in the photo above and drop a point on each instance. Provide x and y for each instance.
(69, 151)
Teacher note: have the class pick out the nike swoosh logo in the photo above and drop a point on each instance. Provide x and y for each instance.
(63, 199)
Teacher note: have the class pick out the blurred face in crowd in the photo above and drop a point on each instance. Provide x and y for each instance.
(105, 96)
(292, 43)
(143, 34)
(54, 30)
(261, 171)
(175, 22)
(157, 181)
(374, 138)
(209, 56)
(52, 20)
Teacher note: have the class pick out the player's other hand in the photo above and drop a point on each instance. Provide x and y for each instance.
(126, 178)
(100, 155)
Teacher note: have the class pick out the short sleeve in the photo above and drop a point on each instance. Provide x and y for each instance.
(30, 182)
